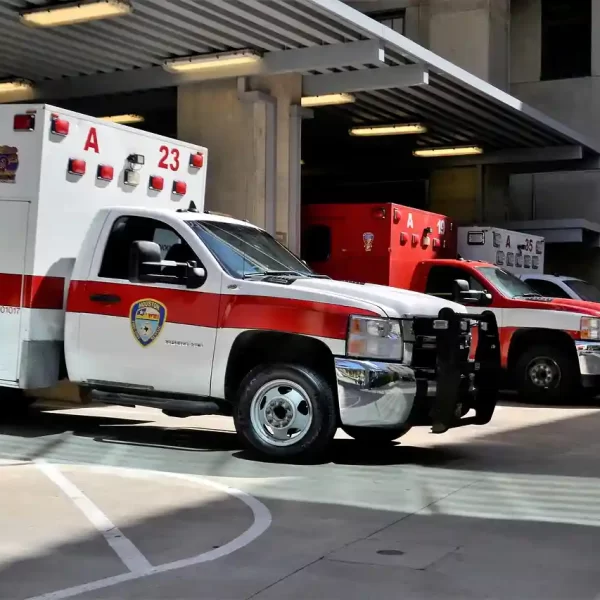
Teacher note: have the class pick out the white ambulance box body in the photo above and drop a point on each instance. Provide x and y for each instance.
(57, 169)
(514, 251)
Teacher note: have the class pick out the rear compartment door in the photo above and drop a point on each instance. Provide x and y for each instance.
(13, 240)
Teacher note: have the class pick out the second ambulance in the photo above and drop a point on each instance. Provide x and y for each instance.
(550, 346)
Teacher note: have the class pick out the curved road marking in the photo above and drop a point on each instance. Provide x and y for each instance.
(262, 521)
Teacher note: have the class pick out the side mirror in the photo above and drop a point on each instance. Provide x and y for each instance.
(195, 276)
(460, 290)
(485, 298)
(144, 261)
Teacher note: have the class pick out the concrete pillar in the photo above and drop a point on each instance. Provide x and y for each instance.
(473, 34)
(251, 129)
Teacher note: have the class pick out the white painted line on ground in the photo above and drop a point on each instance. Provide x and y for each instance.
(262, 522)
(132, 558)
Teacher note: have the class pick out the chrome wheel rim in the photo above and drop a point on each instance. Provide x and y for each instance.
(281, 413)
(544, 372)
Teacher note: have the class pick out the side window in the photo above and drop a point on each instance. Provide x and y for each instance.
(126, 230)
(441, 281)
(316, 243)
(547, 288)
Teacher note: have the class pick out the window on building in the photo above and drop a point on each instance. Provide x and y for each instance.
(394, 19)
(566, 39)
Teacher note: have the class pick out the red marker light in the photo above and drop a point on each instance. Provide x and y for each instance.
(379, 213)
(76, 166)
(403, 238)
(396, 215)
(24, 122)
(156, 183)
(179, 188)
(197, 160)
(105, 173)
(59, 126)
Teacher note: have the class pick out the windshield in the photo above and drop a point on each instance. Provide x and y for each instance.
(507, 284)
(245, 251)
(585, 290)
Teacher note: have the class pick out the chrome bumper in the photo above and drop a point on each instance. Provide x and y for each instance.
(374, 394)
(588, 354)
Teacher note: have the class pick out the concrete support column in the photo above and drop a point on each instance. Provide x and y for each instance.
(474, 34)
(250, 127)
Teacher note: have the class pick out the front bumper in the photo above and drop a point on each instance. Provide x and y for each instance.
(380, 394)
(588, 355)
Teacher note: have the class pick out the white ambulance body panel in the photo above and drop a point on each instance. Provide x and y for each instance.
(45, 212)
(514, 251)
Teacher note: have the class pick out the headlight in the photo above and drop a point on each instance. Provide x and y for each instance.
(379, 339)
(590, 328)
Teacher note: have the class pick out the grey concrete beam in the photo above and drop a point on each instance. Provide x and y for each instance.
(273, 63)
(365, 80)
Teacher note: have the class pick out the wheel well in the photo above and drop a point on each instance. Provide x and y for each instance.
(529, 337)
(254, 348)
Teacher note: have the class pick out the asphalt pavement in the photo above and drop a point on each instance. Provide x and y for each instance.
(116, 503)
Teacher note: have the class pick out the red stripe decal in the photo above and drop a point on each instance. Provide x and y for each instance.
(38, 291)
(213, 310)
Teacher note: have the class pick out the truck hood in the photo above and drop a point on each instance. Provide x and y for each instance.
(581, 306)
(393, 301)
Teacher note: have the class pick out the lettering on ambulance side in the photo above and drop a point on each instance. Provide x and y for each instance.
(91, 141)
(9, 310)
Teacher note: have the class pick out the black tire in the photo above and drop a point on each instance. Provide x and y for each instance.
(534, 380)
(319, 401)
(375, 436)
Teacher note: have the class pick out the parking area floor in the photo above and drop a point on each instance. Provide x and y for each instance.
(115, 503)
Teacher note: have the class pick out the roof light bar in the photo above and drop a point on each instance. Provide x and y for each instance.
(451, 151)
(327, 100)
(69, 13)
(377, 130)
(14, 85)
(124, 119)
(237, 58)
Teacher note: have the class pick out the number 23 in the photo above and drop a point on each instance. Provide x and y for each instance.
(174, 164)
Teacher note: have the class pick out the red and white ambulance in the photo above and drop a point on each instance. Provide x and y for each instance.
(550, 346)
(112, 275)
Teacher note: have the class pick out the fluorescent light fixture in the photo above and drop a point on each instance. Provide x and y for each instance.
(124, 119)
(452, 151)
(70, 13)
(237, 58)
(400, 129)
(326, 100)
(14, 85)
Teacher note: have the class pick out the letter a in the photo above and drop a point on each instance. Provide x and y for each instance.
(91, 143)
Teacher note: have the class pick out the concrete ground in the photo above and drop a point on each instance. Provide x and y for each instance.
(126, 504)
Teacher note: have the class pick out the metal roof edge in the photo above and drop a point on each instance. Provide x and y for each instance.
(419, 54)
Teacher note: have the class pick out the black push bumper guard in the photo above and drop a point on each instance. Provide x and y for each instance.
(441, 353)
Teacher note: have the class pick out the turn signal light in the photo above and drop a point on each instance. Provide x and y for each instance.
(197, 160)
(156, 183)
(179, 188)
(24, 122)
(105, 173)
(76, 166)
(59, 126)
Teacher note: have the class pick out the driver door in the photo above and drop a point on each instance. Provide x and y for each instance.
(152, 335)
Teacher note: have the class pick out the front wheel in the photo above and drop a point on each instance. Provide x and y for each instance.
(546, 373)
(375, 436)
(286, 411)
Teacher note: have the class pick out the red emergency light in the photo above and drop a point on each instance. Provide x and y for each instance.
(379, 213)
(396, 215)
(24, 122)
(59, 126)
(179, 188)
(156, 183)
(197, 160)
(76, 166)
(105, 173)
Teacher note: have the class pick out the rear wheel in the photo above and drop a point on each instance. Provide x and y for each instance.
(375, 436)
(286, 411)
(546, 373)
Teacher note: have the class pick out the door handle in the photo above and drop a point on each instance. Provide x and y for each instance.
(105, 298)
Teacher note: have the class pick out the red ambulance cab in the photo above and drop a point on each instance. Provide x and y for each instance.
(549, 346)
